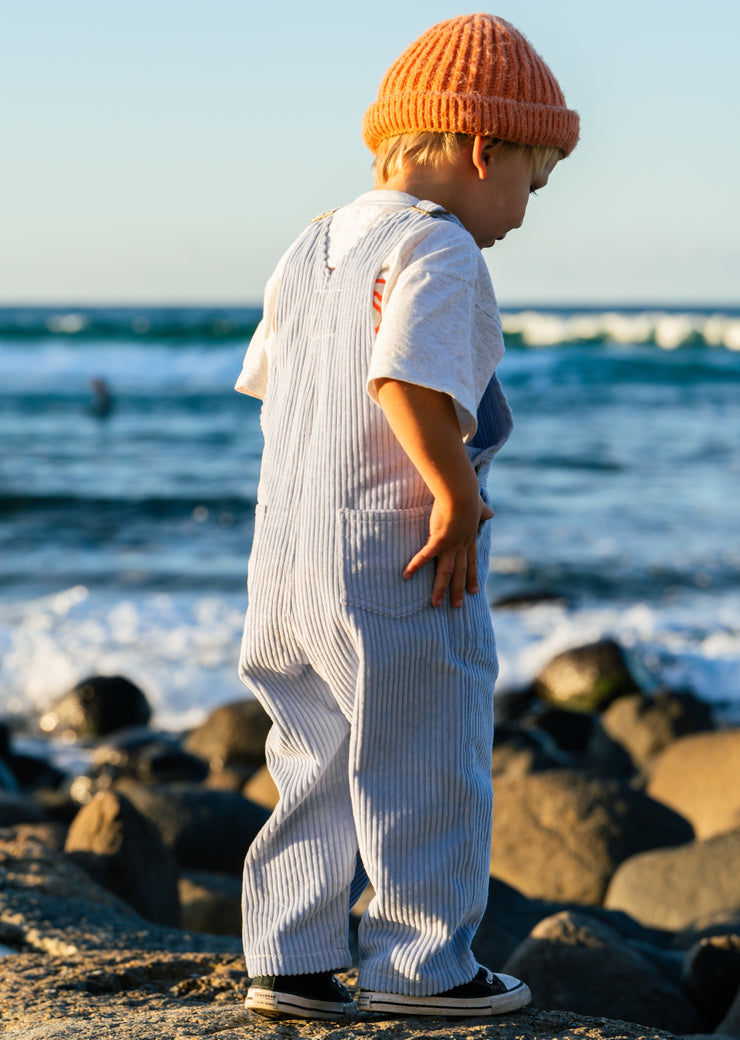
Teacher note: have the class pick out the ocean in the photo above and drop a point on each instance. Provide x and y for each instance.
(126, 506)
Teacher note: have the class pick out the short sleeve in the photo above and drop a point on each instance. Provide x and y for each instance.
(434, 331)
(256, 365)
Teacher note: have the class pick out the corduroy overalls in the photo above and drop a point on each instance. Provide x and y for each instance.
(382, 705)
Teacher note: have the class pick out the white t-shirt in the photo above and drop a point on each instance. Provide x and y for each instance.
(437, 321)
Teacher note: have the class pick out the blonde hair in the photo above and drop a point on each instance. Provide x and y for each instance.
(434, 148)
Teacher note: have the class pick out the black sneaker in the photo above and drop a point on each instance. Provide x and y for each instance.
(319, 995)
(487, 994)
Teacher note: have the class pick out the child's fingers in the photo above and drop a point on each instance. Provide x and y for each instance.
(471, 579)
(486, 513)
(417, 562)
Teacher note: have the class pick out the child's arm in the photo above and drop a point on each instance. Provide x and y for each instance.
(425, 423)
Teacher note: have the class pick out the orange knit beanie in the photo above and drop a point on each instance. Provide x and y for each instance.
(475, 74)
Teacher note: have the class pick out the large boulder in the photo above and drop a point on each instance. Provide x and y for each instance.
(18, 808)
(585, 678)
(699, 777)
(123, 851)
(671, 888)
(511, 916)
(561, 834)
(721, 922)
(261, 789)
(711, 975)
(233, 734)
(155, 758)
(211, 903)
(204, 829)
(636, 727)
(50, 905)
(97, 706)
(573, 962)
(730, 1024)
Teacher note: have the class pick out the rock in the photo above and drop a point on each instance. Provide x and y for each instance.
(572, 962)
(511, 916)
(53, 835)
(8, 781)
(512, 705)
(92, 968)
(261, 789)
(211, 903)
(95, 707)
(670, 888)
(570, 730)
(699, 777)
(230, 778)
(50, 905)
(585, 678)
(31, 771)
(533, 598)
(123, 851)
(233, 734)
(637, 727)
(130, 995)
(154, 758)
(135, 995)
(57, 805)
(730, 1024)
(204, 829)
(711, 975)
(722, 922)
(18, 808)
(561, 834)
(5, 734)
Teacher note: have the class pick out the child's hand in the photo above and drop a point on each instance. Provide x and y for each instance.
(425, 423)
(452, 541)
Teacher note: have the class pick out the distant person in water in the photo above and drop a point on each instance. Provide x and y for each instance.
(368, 636)
(102, 403)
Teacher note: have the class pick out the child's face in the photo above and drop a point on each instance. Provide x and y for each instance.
(497, 200)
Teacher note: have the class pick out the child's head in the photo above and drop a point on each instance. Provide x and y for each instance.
(475, 75)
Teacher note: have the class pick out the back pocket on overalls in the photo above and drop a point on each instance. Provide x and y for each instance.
(375, 546)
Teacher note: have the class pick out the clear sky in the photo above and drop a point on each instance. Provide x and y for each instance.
(160, 151)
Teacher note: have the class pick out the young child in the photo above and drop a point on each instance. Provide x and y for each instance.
(368, 636)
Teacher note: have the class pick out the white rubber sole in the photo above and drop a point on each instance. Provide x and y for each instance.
(517, 996)
(286, 1005)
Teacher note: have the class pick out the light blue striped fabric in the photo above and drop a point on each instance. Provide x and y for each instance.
(382, 706)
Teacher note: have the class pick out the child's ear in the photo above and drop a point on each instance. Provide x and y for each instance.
(481, 155)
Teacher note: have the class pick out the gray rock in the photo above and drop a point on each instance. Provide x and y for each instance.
(569, 730)
(561, 834)
(511, 916)
(636, 727)
(573, 962)
(53, 835)
(585, 678)
(233, 734)
(711, 975)
(154, 758)
(518, 750)
(722, 922)
(136, 995)
(8, 781)
(124, 852)
(18, 808)
(99, 705)
(670, 888)
(730, 1024)
(50, 905)
(204, 829)
(211, 903)
(699, 777)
